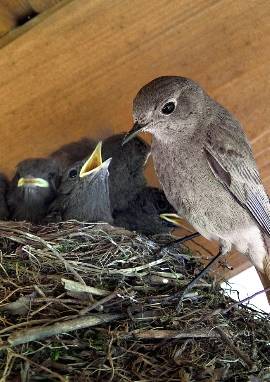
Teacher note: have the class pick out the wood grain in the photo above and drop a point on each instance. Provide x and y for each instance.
(76, 71)
(13, 11)
(42, 5)
(7, 20)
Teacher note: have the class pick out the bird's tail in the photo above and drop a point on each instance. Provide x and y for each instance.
(265, 276)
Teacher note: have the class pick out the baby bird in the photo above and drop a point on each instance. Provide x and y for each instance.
(33, 188)
(126, 169)
(143, 213)
(84, 191)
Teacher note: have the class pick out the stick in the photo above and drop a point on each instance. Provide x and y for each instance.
(74, 286)
(234, 349)
(97, 304)
(168, 334)
(35, 334)
(224, 311)
(195, 280)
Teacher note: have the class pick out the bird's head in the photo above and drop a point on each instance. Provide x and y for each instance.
(83, 174)
(168, 105)
(84, 190)
(37, 179)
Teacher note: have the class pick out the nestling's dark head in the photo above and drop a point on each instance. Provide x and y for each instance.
(143, 213)
(168, 104)
(82, 173)
(33, 188)
(84, 190)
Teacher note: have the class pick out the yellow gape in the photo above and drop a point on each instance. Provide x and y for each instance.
(172, 218)
(93, 163)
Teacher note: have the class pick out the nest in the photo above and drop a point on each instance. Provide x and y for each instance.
(89, 302)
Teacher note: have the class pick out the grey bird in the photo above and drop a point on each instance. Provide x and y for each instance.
(205, 165)
(84, 191)
(33, 188)
(4, 213)
(126, 168)
(143, 213)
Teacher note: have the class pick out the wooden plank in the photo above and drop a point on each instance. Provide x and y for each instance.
(7, 20)
(42, 5)
(17, 8)
(23, 7)
(77, 71)
(18, 31)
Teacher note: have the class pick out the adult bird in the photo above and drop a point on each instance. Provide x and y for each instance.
(33, 188)
(205, 165)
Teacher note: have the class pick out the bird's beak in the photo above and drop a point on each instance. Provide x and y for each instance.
(33, 182)
(133, 132)
(94, 163)
(172, 218)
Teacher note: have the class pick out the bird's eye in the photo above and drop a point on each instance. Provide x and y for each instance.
(51, 175)
(73, 173)
(168, 108)
(162, 205)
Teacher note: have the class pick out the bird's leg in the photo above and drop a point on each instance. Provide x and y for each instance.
(177, 241)
(223, 250)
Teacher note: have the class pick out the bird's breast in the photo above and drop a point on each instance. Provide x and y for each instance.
(194, 191)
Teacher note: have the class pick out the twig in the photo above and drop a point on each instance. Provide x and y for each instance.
(37, 365)
(191, 284)
(132, 271)
(168, 334)
(74, 286)
(98, 303)
(234, 349)
(247, 299)
(34, 334)
(28, 323)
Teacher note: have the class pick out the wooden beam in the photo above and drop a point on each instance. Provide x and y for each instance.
(7, 20)
(17, 8)
(42, 5)
(16, 31)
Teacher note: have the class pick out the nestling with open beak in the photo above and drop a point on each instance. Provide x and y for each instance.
(84, 191)
(4, 213)
(126, 169)
(205, 166)
(143, 213)
(33, 188)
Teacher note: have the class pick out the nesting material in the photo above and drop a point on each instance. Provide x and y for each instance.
(89, 302)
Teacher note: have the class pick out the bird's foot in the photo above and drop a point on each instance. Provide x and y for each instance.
(177, 241)
(203, 272)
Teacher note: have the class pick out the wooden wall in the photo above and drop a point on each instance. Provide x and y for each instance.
(74, 71)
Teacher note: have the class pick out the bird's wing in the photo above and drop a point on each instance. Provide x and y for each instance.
(230, 158)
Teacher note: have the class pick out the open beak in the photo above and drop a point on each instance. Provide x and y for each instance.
(94, 163)
(32, 182)
(172, 218)
(133, 132)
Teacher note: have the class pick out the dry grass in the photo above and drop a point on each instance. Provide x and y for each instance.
(89, 302)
